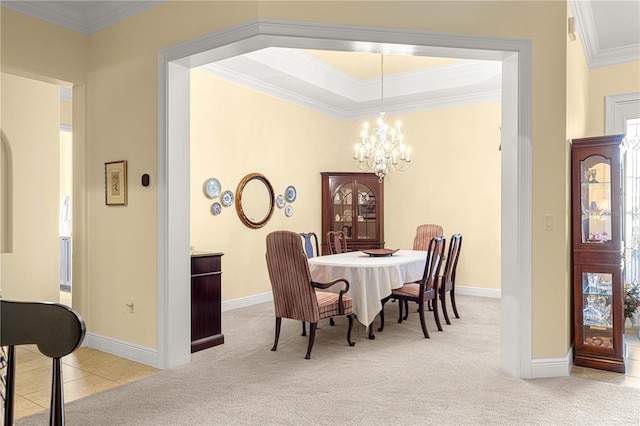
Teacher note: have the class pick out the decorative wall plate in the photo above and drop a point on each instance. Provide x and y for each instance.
(291, 194)
(280, 201)
(227, 198)
(216, 208)
(288, 211)
(212, 188)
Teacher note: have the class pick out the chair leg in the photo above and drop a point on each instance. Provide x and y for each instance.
(56, 412)
(406, 309)
(453, 302)
(10, 386)
(443, 302)
(435, 312)
(331, 322)
(385, 300)
(351, 343)
(400, 306)
(312, 337)
(278, 323)
(304, 328)
(422, 321)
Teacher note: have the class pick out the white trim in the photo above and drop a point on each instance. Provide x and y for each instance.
(173, 246)
(597, 57)
(141, 354)
(494, 293)
(311, 83)
(83, 20)
(244, 302)
(552, 367)
(620, 108)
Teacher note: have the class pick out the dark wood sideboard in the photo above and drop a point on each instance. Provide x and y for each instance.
(206, 300)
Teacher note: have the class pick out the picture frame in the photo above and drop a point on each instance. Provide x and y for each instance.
(115, 173)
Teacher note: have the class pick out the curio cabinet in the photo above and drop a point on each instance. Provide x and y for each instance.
(598, 290)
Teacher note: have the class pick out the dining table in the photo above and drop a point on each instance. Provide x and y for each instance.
(371, 278)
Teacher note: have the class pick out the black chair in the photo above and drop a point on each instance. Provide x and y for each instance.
(56, 329)
(310, 241)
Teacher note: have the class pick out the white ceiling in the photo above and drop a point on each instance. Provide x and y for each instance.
(347, 85)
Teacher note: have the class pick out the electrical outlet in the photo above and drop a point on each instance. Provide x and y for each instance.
(131, 305)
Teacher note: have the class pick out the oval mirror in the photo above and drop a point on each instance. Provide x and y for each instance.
(254, 200)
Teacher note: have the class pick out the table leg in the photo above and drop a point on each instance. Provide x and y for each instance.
(371, 335)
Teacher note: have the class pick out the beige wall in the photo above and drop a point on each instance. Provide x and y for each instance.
(30, 125)
(121, 120)
(613, 80)
(291, 145)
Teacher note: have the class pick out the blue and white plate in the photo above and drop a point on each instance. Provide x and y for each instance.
(291, 193)
(216, 208)
(288, 211)
(212, 188)
(280, 201)
(227, 198)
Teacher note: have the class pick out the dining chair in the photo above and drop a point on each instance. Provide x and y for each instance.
(55, 329)
(310, 241)
(423, 290)
(424, 234)
(295, 295)
(447, 282)
(337, 241)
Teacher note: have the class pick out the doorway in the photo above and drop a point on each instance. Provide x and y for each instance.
(66, 196)
(173, 167)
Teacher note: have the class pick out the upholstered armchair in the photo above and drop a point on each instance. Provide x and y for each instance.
(295, 295)
(424, 234)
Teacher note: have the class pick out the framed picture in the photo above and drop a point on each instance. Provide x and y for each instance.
(115, 183)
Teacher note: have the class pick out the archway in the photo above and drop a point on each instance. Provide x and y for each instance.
(173, 157)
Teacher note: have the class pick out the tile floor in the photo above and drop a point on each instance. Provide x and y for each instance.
(87, 371)
(84, 372)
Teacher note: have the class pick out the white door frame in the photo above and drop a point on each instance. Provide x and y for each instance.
(173, 159)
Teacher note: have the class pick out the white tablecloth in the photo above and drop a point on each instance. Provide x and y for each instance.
(371, 279)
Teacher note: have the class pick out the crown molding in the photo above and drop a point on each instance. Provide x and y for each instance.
(84, 20)
(298, 77)
(597, 57)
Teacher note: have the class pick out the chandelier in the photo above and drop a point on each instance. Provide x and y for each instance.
(382, 150)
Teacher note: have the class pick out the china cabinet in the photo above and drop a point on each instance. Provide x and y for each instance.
(598, 290)
(353, 203)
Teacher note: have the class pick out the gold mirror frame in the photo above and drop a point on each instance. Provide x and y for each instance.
(254, 224)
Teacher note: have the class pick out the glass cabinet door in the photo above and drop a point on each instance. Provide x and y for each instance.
(343, 209)
(597, 310)
(595, 174)
(366, 219)
(355, 211)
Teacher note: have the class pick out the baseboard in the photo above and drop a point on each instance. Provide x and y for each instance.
(141, 354)
(479, 291)
(243, 302)
(552, 367)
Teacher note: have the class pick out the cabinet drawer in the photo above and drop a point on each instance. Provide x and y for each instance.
(204, 264)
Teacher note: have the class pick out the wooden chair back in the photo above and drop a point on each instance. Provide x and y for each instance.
(337, 242)
(310, 242)
(56, 329)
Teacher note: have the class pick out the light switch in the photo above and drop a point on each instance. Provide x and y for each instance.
(548, 222)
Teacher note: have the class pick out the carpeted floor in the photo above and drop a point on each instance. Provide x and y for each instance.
(453, 378)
